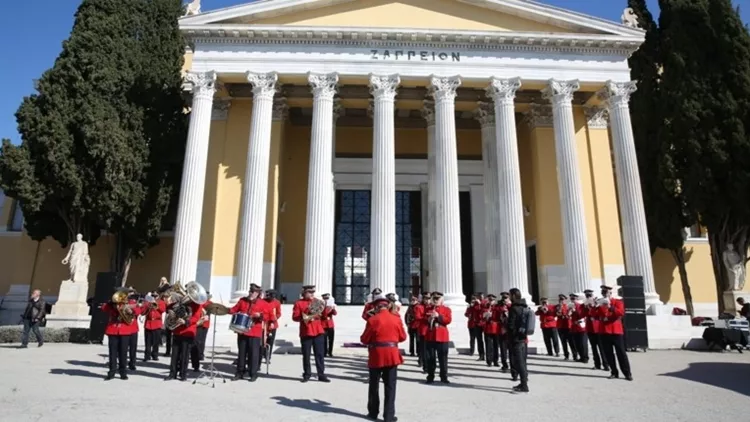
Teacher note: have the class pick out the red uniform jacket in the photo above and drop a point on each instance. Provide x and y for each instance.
(207, 320)
(563, 322)
(611, 317)
(327, 320)
(154, 316)
(423, 326)
(491, 326)
(190, 327)
(259, 306)
(115, 327)
(383, 332)
(578, 320)
(418, 315)
(273, 317)
(593, 325)
(547, 319)
(312, 328)
(368, 308)
(440, 334)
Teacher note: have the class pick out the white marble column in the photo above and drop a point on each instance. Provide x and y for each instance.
(428, 112)
(332, 223)
(512, 239)
(187, 230)
(255, 185)
(575, 242)
(318, 247)
(633, 216)
(485, 114)
(448, 219)
(383, 216)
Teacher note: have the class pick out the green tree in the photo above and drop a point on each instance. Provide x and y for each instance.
(667, 213)
(706, 96)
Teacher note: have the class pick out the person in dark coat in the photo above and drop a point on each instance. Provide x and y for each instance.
(32, 317)
(518, 340)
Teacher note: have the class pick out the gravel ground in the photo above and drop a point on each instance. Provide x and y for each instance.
(64, 382)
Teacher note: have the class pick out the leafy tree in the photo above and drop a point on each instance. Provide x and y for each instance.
(667, 213)
(706, 95)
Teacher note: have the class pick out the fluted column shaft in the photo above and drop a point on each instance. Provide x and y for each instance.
(255, 185)
(485, 114)
(318, 247)
(575, 241)
(448, 218)
(428, 112)
(190, 208)
(632, 214)
(383, 217)
(332, 216)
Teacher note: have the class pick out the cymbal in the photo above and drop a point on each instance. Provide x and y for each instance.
(216, 309)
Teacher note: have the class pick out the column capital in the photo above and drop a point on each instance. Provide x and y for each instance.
(384, 86)
(203, 83)
(444, 88)
(560, 92)
(220, 110)
(323, 84)
(538, 116)
(503, 91)
(428, 112)
(280, 109)
(617, 94)
(596, 117)
(264, 84)
(485, 114)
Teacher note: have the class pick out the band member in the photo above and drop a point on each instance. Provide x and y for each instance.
(249, 342)
(503, 306)
(414, 312)
(369, 311)
(383, 332)
(475, 322)
(562, 313)
(578, 329)
(152, 326)
(548, 323)
(328, 324)
(118, 333)
(491, 329)
(133, 343)
(311, 332)
(164, 284)
(437, 338)
(610, 312)
(518, 339)
(183, 337)
(274, 309)
(199, 345)
(593, 328)
(422, 328)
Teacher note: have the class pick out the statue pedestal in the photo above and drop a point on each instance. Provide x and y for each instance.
(730, 301)
(71, 309)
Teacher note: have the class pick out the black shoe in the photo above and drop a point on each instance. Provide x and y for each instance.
(514, 378)
(430, 380)
(167, 354)
(109, 377)
(557, 355)
(155, 358)
(183, 378)
(567, 357)
(305, 379)
(521, 388)
(372, 417)
(146, 360)
(481, 358)
(132, 367)
(504, 368)
(629, 377)
(23, 346)
(445, 381)
(549, 354)
(613, 377)
(123, 376)
(489, 364)
(170, 377)
(411, 354)
(253, 378)
(237, 376)
(42, 344)
(585, 361)
(495, 364)
(606, 368)
(393, 419)
(324, 379)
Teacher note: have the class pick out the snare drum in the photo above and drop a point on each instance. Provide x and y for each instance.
(240, 324)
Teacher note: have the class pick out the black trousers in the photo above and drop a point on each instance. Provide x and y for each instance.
(614, 344)
(567, 343)
(330, 334)
(504, 346)
(414, 342)
(118, 350)
(152, 338)
(248, 355)
(596, 350)
(518, 354)
(389, 375)
(28, 325)
(492, 348)
(168, 342)
(180, 355)
(436, 352)
(421, 350)
(317, 345)
(551, 340)
(200, 342)
(270, 340)
(582, 346)
(476, 335)
(133, 349)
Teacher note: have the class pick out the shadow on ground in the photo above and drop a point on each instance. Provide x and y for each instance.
(728, 375)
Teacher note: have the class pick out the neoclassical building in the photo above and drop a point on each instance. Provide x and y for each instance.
(452, 145)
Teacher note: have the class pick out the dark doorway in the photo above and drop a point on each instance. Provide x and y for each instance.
(533, 273)
(467, 249)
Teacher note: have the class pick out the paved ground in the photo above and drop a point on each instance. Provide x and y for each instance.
(62, 382)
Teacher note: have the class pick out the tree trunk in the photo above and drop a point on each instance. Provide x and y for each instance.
(715, 241)
(126, 268)
(679, 259)
(122, 258)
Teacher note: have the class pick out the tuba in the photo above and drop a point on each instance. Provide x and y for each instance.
(120, 299)
(315, 310)
(179, 298)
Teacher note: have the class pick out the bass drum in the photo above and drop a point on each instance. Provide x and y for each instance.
(241, 323)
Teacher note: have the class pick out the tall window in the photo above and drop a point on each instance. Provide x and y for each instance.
(16, 218)
(408, 243)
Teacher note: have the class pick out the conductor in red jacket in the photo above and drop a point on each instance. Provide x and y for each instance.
(437, 338)
(383, 332)
(311, 334)
(610, 312)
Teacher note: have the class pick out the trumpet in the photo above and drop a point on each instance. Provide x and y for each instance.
(604, 301)
(487, 315)
(544, 308)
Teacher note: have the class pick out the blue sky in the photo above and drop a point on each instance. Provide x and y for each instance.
(33, 31)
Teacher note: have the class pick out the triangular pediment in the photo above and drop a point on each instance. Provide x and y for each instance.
(458, 15)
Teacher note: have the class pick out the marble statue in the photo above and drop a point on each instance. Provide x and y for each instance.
(79, 260)
(193, 8)
(735, 266)
(629, 18)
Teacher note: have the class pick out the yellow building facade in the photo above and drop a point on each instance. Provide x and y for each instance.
(452, 145)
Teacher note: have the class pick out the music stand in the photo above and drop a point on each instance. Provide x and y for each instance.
(210, 374)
